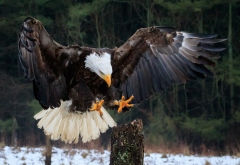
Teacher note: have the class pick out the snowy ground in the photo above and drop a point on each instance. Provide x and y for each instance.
(28, 156)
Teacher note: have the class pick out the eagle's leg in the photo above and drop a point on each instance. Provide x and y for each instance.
(123, 103)
(97, 107)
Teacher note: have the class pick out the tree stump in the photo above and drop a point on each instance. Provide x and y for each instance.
(127, 146)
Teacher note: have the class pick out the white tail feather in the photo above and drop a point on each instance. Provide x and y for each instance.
(95, 129)
(40, 115)
(100, 122)
(84, 132)
(55, 133)
(62, 124)
(64, 129)
(108, 119)
(50, 127)
(78, 124)
(49, 118)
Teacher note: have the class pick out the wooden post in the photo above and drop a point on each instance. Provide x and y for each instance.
(127, 146)
(48, 150)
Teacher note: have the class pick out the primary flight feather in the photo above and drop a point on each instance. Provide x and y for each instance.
(72, 83)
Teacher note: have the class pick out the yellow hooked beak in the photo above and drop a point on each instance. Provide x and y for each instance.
(107, 78)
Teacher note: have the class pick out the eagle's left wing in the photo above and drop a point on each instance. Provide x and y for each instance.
(38, 55)
(156, 57)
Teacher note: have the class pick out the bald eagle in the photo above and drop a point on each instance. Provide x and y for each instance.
(74, 83)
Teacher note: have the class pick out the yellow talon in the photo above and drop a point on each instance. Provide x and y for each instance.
(97, 106)
(123, 103)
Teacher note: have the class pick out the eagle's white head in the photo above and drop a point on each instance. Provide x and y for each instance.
(100, 64)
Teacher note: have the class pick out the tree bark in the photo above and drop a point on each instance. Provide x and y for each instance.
(203, 84)
(127, 146)
(14, 127)
(230, 52)
(48, 150)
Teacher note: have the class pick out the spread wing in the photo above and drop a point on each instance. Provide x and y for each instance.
(156, 57)
(38, 57)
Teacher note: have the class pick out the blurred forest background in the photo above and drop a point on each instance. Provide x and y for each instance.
(203, 115)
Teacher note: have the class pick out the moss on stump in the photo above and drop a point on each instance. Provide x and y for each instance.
(127, 144)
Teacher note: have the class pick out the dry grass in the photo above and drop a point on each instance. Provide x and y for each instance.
(2, 144)
(238, 154)
(186, 150)
(164, 148)
(72, 153)
(3, 156)
(101, 161)
(84, 155)
(207, 162)
(164, 156)
(95, 144)
(43, 153)
(150, 148)
(16, 149)
(147, 153)
(27, 151)
(93, 159)
(31, 140)
(205, 151)
(177, 149)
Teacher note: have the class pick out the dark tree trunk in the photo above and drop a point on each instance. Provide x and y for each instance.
(14, 127)
(127, 144)
(48, 150)
(230, 52)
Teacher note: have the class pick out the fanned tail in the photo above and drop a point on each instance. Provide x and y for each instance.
(62, 124)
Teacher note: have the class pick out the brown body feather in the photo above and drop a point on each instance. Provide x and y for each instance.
(150, 61)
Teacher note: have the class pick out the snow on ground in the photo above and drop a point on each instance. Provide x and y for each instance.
(34, 156)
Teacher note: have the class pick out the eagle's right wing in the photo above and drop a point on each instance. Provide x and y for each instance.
(156, 57)
(38, 55)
